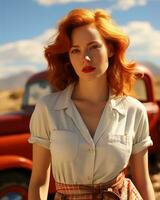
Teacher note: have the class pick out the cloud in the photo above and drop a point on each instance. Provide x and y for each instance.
(24, 54)
(126, 5)
(11, 70)
(22, 51)
(51, 2)
(144, 41)
(28, 54)
(46, 36)
(118, 5)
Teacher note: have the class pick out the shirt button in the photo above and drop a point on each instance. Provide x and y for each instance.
(91, 150)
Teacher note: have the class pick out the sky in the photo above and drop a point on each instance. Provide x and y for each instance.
(27, 25)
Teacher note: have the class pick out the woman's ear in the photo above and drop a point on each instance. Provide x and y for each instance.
(110, 50)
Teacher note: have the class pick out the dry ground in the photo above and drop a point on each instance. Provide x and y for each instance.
(155, 177)
(11, 101)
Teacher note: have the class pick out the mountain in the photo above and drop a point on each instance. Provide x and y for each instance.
(155, 69)
(16, 81)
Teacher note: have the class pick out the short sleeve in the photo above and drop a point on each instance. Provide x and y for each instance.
(142, 139)
(39, 126)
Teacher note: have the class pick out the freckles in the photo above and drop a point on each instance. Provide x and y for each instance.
(73, 61)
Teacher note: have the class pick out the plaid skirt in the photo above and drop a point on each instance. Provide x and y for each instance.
(120, 188)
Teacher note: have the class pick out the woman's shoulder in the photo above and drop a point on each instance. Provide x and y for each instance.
(57, 98)
(133, 103)
(49, 98)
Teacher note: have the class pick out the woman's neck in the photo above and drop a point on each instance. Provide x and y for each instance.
(94, 91)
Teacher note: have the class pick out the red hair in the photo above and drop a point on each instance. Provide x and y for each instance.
(120, 74)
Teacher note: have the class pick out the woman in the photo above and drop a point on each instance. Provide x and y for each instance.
(90, 128)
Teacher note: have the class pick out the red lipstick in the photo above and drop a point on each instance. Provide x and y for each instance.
(88, 69)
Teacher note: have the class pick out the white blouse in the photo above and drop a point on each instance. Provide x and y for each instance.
(77, 158)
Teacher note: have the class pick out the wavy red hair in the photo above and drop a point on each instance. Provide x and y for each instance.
(120, 74)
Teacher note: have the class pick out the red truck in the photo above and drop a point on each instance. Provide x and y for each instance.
(16, 152)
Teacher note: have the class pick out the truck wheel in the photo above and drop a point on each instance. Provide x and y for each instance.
(13, 185)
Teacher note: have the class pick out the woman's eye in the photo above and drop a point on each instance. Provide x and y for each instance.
(74, 51)
(95, 46)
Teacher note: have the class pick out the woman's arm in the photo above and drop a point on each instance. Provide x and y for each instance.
(39, 182)
(140, 174)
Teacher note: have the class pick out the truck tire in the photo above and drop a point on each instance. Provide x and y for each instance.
(14, 185)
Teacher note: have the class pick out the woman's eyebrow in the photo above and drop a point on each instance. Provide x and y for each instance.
(89, 43)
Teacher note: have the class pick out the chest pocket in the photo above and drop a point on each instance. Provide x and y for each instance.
(122, 139)
(64, 145)
(117, 148)
(119, 143)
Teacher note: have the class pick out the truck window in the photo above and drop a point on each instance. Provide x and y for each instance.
(157, 86)
(140, 90)
(34, 91)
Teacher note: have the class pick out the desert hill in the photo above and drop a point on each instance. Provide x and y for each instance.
(15, 81)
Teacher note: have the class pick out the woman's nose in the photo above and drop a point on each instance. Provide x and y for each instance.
(87, 58)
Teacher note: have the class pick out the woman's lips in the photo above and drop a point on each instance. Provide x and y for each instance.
(88, 69)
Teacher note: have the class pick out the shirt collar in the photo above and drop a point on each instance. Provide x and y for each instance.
(64, 97)
(116, 102)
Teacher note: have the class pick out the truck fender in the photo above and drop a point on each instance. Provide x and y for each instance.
(10, 162)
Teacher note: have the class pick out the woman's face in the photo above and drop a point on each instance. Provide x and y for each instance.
(88, 53)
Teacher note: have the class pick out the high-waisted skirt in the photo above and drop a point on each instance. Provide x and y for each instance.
(120, 188)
